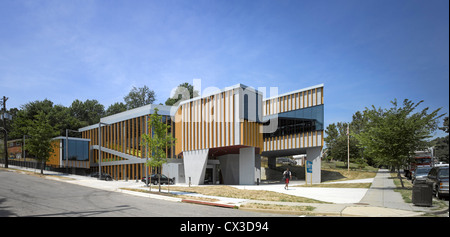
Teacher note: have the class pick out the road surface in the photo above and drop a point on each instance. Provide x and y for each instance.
(33, 196)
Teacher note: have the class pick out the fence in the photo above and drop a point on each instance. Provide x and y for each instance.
(37, 165)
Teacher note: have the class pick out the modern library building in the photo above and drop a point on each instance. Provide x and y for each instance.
(220, 137)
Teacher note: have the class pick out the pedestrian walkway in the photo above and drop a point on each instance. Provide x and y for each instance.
(331, 195)
(382, 194)
(379, 201)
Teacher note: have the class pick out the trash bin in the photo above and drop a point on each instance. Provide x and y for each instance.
(422, 194)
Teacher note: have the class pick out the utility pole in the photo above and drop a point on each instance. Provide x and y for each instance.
(348, 149)
(5, 140)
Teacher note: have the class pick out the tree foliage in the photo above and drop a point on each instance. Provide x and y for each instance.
(116, 108)
(157, 141)
(386, 137)
(392, 135)
(139, 97)
(441, 144)
(179, 91)
(337, 143)
(78, 114)
(445, 128)
(40, 136)
(88, 112)
(59, 117)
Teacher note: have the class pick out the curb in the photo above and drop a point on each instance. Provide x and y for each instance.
(438, 212)
(149, 195)
(209, 203)
(295, 213)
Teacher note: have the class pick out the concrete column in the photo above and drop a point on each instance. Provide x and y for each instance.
(195, 165)
(247, 165)
(313, 154)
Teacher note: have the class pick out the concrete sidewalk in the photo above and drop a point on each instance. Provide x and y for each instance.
(378, 201)
(382, 194)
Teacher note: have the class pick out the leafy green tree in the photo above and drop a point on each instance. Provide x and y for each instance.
(139, 97)
(157, 141)
(331, 141)
(392, 135)
(28, 111)
(116, 108)
(441, 148)
(445, 128)
(88, 112)
(441, 144)
(59, 117)
(179, 92)
(39, 141)
(337, 144)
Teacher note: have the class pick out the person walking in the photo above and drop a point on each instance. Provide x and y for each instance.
(287, 176)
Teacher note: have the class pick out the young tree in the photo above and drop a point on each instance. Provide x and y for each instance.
(392, 135)
(157, 141)
(39, 142)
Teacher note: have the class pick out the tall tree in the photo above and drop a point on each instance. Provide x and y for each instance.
(139, 97)
(336, 142)
(39, 141)
(116, 108)
(441, 144)
(157, 141)
(441, 148)
(88, 112)
(445, 128)
(392, 135)
(180, 90)
(59, 117)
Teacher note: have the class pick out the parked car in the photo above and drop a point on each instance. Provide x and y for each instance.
(105, 176)
(438, 178)
(285, 161)
(420, 174)
(154, 179)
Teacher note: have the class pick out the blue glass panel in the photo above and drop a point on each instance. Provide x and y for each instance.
(78, 150)
(299, 121)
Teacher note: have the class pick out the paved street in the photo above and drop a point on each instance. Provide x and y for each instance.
(74, 195)
(28, 195)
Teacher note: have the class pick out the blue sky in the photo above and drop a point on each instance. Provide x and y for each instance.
(365, 52)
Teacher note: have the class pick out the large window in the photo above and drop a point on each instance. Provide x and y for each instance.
(299, 121)
(78, 150)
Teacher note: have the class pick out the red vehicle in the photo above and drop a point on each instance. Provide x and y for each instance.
(421, 159)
